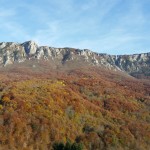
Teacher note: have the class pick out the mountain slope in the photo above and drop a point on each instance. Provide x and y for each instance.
(103, 109)
(136, 65)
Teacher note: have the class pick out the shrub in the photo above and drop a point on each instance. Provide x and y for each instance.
(67, 146)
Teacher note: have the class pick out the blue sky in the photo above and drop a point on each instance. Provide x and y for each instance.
(104, 26)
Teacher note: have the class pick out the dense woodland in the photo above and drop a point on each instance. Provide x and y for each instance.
(93, 109)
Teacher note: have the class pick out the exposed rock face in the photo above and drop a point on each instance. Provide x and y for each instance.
(135, 64)
(15, 52)
(30, 47)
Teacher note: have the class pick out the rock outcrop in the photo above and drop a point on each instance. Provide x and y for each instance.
(15, 53)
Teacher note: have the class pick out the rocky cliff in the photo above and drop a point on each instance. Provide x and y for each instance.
(15, 53)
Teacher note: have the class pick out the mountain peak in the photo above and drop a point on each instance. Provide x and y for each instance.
(29, 42)
(30, 47)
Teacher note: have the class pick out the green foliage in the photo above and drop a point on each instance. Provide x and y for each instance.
(58, 146)
(67, 146)
(77, 146)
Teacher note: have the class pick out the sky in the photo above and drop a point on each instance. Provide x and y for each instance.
(103, 26)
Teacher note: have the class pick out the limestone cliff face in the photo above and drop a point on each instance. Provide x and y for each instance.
(135, 64)
(15, 53)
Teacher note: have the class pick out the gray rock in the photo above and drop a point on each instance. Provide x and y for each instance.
(30, 47)
(14, 52)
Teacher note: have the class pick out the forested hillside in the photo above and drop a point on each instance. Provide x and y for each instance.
(97, 108)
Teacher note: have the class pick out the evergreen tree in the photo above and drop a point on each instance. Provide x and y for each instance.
(58, 146)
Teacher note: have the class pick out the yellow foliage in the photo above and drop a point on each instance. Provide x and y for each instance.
(1, 107)
(5, 99)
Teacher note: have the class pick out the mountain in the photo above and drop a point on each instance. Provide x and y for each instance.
(137, 64)
(51, 98)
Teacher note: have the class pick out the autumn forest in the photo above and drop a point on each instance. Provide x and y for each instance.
(84, 108)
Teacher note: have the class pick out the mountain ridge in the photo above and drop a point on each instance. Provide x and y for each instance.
(134, 64)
